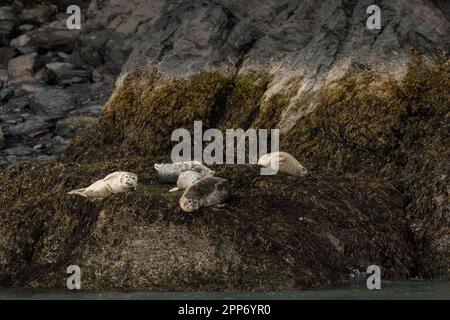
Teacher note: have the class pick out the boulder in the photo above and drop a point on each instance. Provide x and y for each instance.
(18, 151)
(23, 68)
(67, 74)
(26, 27)
(21, 41)
(53, 102)
(37, 14)
(6, 54)
(8, 21)
(31, 127)
(71, 126)
(6, 94)
(275, 233)
(54, 36)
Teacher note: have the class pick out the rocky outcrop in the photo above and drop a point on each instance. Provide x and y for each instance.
(277, 232)
(8, 21)
(42, 82)
(366, 111)
(304, 45)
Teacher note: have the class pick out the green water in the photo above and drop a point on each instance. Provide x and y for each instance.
(389, 290)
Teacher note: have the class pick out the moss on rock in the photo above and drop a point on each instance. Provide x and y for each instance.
(372, 126)
(368, 133)
(276, 232)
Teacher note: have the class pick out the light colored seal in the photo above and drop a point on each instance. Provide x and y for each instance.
(206, 192)
(115, 182)
(186, 179)
(169, 172)
(286, 163)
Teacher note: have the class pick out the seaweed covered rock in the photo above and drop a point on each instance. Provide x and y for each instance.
(367, 124)
(312, 70)
(372, 126)
(276, 232)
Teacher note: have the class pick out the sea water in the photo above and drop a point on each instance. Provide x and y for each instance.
(389, 290)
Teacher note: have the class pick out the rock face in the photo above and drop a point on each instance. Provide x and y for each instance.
(8, 20)
(267, 237)
(366, 111)
(2, 139)
(302, 44)
(45, 89)
(54, 36)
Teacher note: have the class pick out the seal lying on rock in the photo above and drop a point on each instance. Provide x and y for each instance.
(206, 192)
(169, 172)
(115, 182)
(186, 179)
(286, 163)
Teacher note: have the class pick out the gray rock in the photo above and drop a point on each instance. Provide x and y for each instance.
(37, 14)
(23, 68)
(32, 87)
(19, 151)
(23, 44)
(90, 110)
(305, 41)
(66, 74)
(59, 140)
(6, 94)
(8, 20)
(54, 36)
(2, 139)
(71, 126)
(20, 41)
(17, 103)
(6, 54)
(26, 27)
(52, 102)
(31, 127)
(3, 77)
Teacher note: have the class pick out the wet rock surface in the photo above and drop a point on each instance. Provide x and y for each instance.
(378, 193)
(275, 232)
(42, 82)
(47, 115)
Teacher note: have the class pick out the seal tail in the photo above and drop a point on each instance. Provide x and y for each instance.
(173, 189)
(79, 192)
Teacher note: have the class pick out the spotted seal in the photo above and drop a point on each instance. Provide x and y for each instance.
(206, 192)
(286, 163)
(186, 179)
(169, 172)
(115, 182)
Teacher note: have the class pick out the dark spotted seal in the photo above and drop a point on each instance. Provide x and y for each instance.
(206, 192)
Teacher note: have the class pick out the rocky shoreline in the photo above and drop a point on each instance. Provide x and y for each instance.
(366, 112)
(47, 95)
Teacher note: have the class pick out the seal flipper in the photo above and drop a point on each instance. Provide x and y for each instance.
(80, 192)
(174, 189)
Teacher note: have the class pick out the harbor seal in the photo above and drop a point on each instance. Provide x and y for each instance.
(169, 172)
(283, 162)
(115, 182)
(206, 192)
(186, 179)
